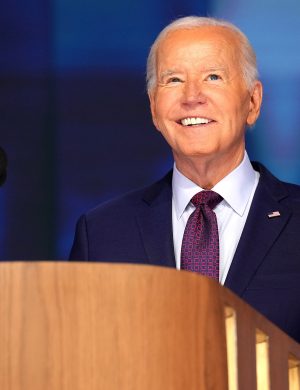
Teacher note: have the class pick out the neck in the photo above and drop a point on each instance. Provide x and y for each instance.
(207, 172)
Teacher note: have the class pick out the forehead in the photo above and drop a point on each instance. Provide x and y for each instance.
(200, 43)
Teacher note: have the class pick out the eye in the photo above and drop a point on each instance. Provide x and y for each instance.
(174, 80)
(213, 77)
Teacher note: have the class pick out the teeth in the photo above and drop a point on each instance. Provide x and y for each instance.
(194, 121)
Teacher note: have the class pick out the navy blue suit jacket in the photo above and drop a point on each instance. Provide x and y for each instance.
(265, 272)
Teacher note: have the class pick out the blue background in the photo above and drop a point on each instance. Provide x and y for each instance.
(75, 120)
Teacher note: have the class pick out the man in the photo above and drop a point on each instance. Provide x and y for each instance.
(204, 93)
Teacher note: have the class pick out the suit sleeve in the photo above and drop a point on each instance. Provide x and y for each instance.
(80, 248)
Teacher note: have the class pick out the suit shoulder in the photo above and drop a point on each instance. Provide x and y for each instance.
(293, 198)
(134, 200)
(287, 193)
(293, 189)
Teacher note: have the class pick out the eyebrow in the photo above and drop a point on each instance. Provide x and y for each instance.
(214, 69)
(168, 72)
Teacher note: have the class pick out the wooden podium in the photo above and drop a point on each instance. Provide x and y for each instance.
(77, 326)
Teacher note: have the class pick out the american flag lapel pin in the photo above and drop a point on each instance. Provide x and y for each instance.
(274, 214)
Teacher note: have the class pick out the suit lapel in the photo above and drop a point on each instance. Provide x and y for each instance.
(155, 223)
(260, 231)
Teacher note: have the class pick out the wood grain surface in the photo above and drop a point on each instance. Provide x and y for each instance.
(88, 326)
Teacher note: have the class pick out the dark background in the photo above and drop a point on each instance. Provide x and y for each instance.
(75, 121)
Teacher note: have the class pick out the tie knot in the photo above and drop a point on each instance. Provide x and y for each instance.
(209, 198)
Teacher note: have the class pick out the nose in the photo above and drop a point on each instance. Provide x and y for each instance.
(193, 93)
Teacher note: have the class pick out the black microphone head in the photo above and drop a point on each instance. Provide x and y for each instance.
(3, 166)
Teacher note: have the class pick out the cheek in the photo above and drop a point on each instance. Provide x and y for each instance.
(237, 111)
(162, 109)
(156, 111)
(167, 101)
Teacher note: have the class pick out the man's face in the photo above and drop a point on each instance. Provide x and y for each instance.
(201, 103)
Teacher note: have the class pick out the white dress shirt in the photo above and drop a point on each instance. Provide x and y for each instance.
(237, 190)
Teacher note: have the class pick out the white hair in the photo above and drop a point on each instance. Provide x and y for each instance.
(247, 54)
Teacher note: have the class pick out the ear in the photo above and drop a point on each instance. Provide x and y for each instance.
(151, 95)
(255, 103)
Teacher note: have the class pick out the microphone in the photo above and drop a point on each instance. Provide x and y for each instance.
(3, 166)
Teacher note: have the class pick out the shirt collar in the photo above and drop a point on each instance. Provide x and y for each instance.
(235, 188)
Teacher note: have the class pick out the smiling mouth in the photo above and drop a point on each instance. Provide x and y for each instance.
(194, 121)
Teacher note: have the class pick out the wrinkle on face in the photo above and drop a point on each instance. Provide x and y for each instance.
(200, 75)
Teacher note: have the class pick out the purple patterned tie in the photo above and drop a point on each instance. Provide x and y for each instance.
(200, 243)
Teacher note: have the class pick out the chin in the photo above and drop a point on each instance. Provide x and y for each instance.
(196, 153)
